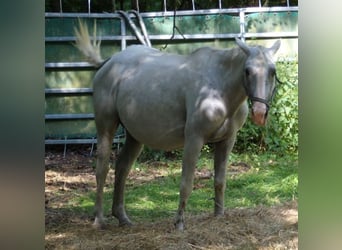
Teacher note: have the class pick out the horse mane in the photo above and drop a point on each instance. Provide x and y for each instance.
(83, 43)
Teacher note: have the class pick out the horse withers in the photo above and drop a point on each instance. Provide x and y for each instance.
(168, 101)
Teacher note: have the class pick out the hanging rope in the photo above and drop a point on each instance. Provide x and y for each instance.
(174, 26)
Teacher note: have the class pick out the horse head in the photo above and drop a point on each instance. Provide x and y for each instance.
(259, 78)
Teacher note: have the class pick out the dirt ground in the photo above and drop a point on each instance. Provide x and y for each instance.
(240, 228)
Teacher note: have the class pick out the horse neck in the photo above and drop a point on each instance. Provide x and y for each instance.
(233, 62)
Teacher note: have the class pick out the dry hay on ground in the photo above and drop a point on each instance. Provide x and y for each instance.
(240, 228)
(246, 228)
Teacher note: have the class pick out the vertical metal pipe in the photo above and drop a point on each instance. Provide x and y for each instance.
(65, 146)
(193, 4)
(242, 25)
(60, 6)
(89, 7)
(114, 6)
(220, 4)
(137, 4)
(123, 33)
(259, 3)
(288, 3)
(165, 6)
(92, 146)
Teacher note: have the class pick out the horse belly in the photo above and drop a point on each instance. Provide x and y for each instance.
(157, 121)
(157, 132)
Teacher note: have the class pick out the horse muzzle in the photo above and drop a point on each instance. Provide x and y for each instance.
(259, 113)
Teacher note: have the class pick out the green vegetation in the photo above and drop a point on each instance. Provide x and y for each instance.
(152, 190)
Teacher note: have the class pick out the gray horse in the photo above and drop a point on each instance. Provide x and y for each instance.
(169, 101)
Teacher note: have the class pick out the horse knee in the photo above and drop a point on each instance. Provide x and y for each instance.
(219, 186)
(219, 191)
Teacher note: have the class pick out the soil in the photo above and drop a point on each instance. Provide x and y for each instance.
(72, 174)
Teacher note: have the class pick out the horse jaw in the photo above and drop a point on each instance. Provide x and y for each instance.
(259, 113)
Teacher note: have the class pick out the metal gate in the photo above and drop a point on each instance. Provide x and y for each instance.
(68, 105)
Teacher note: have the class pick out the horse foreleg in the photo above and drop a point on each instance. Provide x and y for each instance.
(222, 150)
(128, 155)
(192, 149)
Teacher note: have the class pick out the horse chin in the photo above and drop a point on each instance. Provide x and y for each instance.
(259, 114)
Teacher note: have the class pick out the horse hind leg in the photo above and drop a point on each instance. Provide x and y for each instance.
(128, 155)
(105, 134)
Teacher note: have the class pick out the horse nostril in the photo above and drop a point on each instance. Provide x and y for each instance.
(266, 115)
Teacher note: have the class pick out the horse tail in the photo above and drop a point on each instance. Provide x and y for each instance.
(83, 42)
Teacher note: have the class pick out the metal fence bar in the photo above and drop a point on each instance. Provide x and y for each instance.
(68, 116)
(242, 35)
(69, 91)
(166, 37)
(117, 139)
(178, 13)
(164, 3)
(272, 35)
(53, 65)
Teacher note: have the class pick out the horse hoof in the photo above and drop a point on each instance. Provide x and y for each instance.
(179, 226)
(99, 225)
(125, 223)
(220, 214)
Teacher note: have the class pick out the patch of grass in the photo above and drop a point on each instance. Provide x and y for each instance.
(152, 190)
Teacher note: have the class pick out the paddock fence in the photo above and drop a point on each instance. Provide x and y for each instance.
(69, 117)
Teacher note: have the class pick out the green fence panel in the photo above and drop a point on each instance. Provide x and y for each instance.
(59, 27)
(59, 32)
(68, 79)
(74, 129)
(205, 24)
(69, 104)
(272, 22)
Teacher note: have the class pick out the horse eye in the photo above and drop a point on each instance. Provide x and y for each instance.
(247, 72)
(272, 71)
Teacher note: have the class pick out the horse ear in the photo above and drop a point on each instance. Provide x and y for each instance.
(275, 47)
(242, 45)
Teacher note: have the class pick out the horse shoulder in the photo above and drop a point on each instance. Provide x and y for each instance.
(240, 116)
